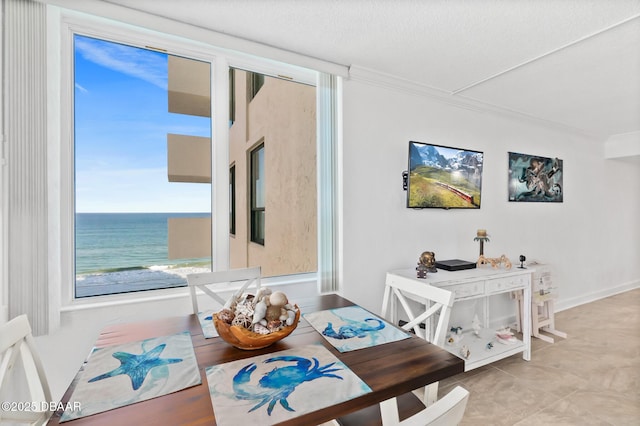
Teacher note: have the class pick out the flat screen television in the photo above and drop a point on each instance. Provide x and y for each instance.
(443, 177)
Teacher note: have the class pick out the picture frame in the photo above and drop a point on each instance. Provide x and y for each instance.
(533, 178)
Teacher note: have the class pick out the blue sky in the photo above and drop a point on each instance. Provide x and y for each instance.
(121, 126)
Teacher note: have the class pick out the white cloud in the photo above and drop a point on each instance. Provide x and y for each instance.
(82, 89)
(135, 62)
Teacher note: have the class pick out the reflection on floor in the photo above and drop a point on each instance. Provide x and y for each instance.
(590, 378)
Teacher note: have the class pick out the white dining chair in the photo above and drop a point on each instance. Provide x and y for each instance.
(17, 349)
(447, 411)
(234, 281)
(402, 296)
(435, 308)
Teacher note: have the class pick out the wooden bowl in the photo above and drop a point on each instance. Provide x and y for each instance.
(242, 338)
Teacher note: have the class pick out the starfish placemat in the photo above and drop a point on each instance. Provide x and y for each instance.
(276, 387)
(353, 327)
(206, 322)
(124, 374)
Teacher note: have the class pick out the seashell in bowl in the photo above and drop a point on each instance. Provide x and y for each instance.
(243, 338)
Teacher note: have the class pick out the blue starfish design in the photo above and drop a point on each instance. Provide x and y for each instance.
(137, 366)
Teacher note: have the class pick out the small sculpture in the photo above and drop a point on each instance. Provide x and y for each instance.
(454, 339)
(428, 259)
(494, 261)
(506, 336)
(476, 325)
(422, 271)
(465, 352)
(481, 236)
(455, 336)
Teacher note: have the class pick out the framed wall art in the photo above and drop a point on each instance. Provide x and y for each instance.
(535, 179)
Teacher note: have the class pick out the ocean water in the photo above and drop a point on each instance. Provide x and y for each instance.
(117, 242)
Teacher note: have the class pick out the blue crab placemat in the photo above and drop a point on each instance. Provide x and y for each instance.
(206, 322)
(353, 327)
(276, 387)
(132, 372)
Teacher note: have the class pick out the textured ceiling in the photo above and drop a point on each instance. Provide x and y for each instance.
(574, 63)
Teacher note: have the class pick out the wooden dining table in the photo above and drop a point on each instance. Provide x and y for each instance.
(389, 369)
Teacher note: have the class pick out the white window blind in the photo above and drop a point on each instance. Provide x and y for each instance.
(25, 236)
(328, 197)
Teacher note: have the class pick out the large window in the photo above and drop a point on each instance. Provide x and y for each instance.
(142, 197)
(151, 166)
(273, 144)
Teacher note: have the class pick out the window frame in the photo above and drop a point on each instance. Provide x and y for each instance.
(255, 81)
(232, 199)
(222, 60)
(232, 98)
(257, 213)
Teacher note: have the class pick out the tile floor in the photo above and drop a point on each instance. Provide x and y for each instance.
(590, 378)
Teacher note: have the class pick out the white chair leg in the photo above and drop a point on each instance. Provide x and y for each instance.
(430, 394)
(389, 412)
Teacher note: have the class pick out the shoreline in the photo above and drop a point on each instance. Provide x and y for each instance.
(151, 278)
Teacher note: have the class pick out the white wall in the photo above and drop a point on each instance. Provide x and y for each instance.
(592, 239)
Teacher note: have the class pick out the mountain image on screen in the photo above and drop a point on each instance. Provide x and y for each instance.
(444, 177)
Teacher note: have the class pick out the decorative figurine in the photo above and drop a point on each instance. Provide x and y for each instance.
(454, 339)
(455, 336)
(494, 261)
(428, 259)
(476, 325)
(465, 352)
(481, 236)
(506, 336)
(422, 271)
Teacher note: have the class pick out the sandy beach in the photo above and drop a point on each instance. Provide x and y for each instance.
(150, 278)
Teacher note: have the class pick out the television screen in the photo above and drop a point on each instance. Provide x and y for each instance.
(443, 177)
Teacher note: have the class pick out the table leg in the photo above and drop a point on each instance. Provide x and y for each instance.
(526, 321)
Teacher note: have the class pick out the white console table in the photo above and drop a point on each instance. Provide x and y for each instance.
(483, 282)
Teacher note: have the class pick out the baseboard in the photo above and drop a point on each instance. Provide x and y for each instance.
(562, 304)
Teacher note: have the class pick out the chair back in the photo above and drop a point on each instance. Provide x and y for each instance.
(447, 411)
(17, 347)
(213, 283)
(400, 297)
(437, 303)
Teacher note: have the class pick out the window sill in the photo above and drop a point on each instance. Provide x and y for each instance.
(151, 296)
(124, 299)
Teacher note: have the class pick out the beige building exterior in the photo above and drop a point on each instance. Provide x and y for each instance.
(281, 117)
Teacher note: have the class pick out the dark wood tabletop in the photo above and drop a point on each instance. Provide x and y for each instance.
(390, 369)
